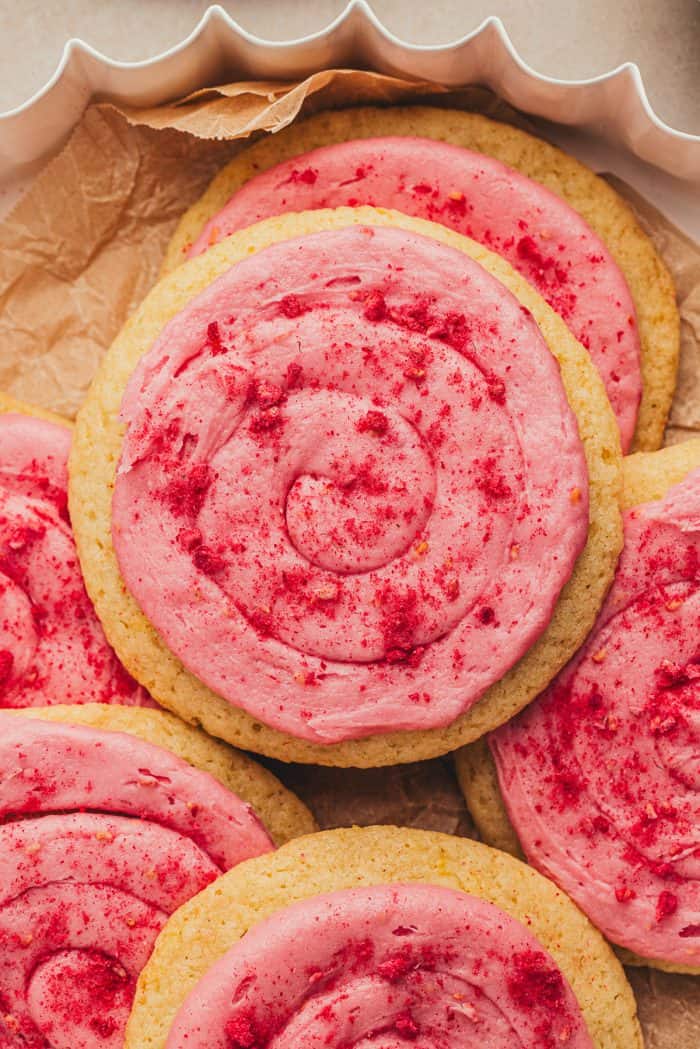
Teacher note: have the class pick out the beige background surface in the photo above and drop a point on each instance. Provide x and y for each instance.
(566, 38)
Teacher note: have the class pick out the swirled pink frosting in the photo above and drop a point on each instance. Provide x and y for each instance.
(539, 234)
(52, 648)
(336, 499)
(384, 967)
(601, 774)
(102, 836)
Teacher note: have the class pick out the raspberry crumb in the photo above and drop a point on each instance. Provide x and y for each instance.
(207, 561)
(214, 338)
(185, 494)
(291, 306)
(308, 176)
(406, 1026)
(266, 420)
(294, 374)
(241, 1033)
(373, 422)
(396, 966)
(375, 306)
(535, 982)
(666, 905)
(497, 390)
(267, 394)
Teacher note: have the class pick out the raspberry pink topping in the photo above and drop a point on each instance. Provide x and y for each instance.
(336, 500)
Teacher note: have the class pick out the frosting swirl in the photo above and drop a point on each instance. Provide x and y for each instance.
(103, 836)
(540, 235)
(52, 648)
(600, 775)
(384, 967)
(334, 449)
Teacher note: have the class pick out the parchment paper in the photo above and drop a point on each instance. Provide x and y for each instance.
(83, 246)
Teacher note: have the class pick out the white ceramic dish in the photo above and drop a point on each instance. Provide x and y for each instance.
(607, 121)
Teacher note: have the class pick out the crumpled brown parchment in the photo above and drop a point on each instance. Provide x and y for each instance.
(80, 250)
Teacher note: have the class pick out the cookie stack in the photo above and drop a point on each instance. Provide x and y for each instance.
(349, 490)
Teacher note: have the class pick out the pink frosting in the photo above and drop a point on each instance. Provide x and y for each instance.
(601, 775)
(384, 967)
(52, 648)
(102, 836)
(540, 235)
(336, 499)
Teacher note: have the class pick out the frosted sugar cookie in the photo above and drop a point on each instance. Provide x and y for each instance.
(382, 936)
(599, 776)
(563, 228)
(103, 834)
(329, 488)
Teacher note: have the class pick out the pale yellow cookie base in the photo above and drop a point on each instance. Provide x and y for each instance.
(478, 780)
(10, 405)
(198, 934)
(96, 450)
(647, 477)
(602, 208)
(283, 814)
